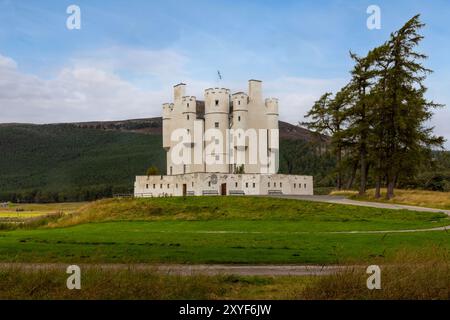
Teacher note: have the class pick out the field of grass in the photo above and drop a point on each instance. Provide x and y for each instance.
(222, 230)
(30, 216)
(97, 283)
(408, 275)
(421, 198)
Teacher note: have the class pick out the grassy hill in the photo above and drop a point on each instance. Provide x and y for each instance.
(86, 161)
(222, 230)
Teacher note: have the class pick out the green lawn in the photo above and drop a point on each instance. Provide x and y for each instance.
(223, 230)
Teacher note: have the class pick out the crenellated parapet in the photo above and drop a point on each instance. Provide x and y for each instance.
(271, 106)
(188, 105)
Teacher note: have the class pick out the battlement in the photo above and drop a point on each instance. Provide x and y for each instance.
(167, 107)
(215, 91)
(272, 106)
(239, 95)
(188, 98)
(271, 101)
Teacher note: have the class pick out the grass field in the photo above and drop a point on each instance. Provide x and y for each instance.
(30, 216)
(409, 275)
(421, 198)
(31, 210)
(223, 230)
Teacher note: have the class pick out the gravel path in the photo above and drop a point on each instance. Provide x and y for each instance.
(344, 200)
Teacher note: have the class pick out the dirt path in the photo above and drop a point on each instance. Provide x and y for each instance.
(344, 200)
(201, 269)
(445, 228)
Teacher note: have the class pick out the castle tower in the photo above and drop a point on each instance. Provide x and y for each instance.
(176, 121)
(166, 124)
(189, 115)
(239, 126)
(257, 121)
(217, 106)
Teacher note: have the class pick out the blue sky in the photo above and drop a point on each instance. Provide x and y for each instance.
(123, 61)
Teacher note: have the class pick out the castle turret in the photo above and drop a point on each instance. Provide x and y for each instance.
(272, 134)
(166, 123)
(188, 110)
(239, 126)
(217, 106)
(272, 113)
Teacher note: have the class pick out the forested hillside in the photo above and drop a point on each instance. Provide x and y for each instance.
(65, 163)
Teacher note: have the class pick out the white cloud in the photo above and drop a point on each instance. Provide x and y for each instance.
(7, 63)
(164, 64)
(297, 95)
(76, 93)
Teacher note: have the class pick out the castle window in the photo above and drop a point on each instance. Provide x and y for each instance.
(217, 103)
(295, 185)
(209, 184)
(239, 103)
(281, 184)
(188, 105)
(236, 184)
(246, 184)
(188, 117)
(254, 185)
(216, 124)
(192, 183)
(176, 185)
(184, 168)
(239, 118)
(274, 184)
(217, 157)
(168, 186)
(146, 186)
(268, 184)
(160, 186)
(305, 185)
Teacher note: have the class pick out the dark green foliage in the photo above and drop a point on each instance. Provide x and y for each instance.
(301, 157)
(51, 163)
(379, 120)
(153, 171)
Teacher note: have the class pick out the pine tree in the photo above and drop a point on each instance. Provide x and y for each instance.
(406, 111)
(328, 117)
(359, 114)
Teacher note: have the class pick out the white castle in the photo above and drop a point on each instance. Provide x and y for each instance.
(226, 144)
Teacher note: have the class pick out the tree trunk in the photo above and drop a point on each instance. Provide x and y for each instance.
(390, 187)
(363, 182)
(352, 176)
(339, 174)
(378, 187)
